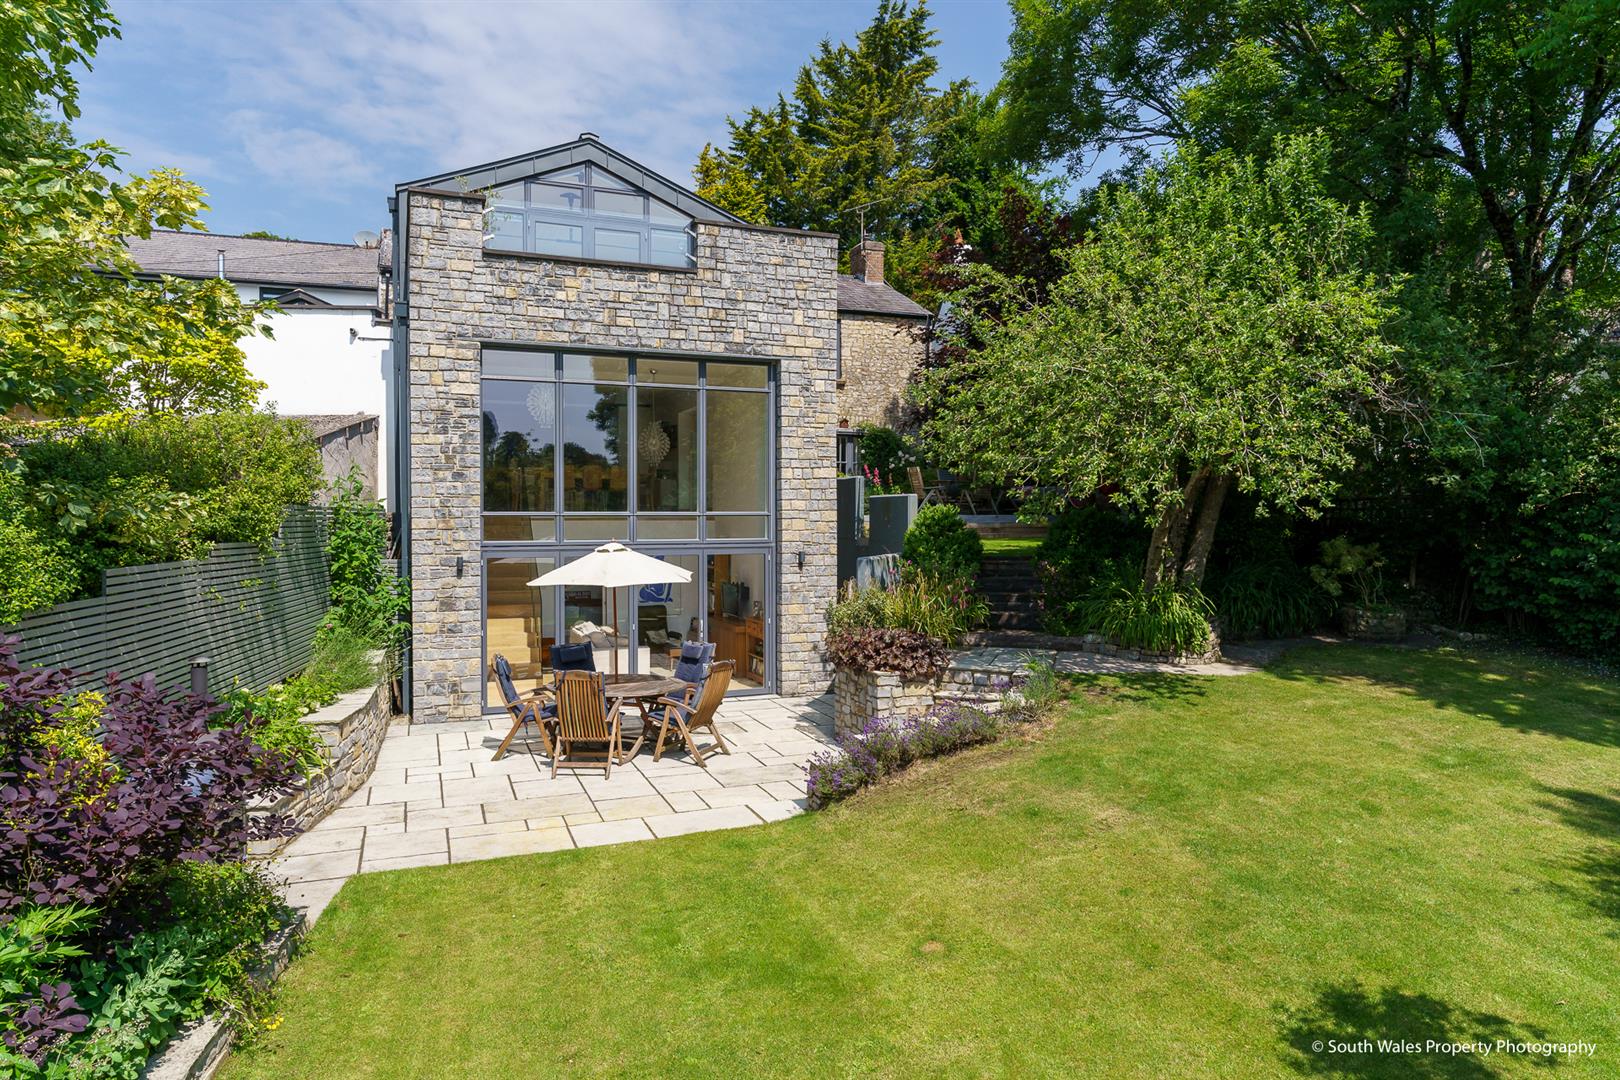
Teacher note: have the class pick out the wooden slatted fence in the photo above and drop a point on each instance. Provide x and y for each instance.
(251, 613)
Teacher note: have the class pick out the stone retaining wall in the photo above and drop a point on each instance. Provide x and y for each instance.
(1092, 643)
(353, 728)
(860, 695)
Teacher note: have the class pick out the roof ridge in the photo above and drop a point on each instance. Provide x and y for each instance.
(266, 239)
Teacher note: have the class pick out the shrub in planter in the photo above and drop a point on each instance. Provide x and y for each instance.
(943, 609)
(904, 652)
(940, 546)
(1353, 575)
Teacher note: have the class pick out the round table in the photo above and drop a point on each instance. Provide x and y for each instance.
(641, 689)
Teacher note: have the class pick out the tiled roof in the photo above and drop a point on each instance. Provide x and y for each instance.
(275, 262)
(324, 424)
(875, 299)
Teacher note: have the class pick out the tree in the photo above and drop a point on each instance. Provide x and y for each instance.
(81, 332)
(1216, 328)
(865, 127)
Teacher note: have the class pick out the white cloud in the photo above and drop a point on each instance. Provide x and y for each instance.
(339, 96)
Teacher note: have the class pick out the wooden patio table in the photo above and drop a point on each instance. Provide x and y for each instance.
(642, 689)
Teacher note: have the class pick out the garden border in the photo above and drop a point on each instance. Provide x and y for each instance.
(198, 1049)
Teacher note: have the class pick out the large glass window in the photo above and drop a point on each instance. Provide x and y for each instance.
(519, 457)
(671, 455)
(596, 438)
(666, 450)
(584, 212)
(667, 615)
(738, 451)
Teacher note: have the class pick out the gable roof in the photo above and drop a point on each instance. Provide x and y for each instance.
(585, 148)
(872, 298)
(256, 260)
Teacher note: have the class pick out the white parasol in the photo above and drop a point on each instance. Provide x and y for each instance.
(614, 566)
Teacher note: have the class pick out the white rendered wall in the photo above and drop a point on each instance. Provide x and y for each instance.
(311, 366)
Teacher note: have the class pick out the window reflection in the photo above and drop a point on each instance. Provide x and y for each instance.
(738, 428)
(595, 443)
(666, 449)
(519, 439)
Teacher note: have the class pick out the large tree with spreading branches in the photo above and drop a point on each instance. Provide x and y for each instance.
(1217, 328)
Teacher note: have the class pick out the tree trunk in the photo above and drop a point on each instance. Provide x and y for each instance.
(1169, 533)
(1190, 495)
(1192, 571)
(1155, 556)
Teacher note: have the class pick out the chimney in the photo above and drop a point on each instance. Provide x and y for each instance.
(866, 261)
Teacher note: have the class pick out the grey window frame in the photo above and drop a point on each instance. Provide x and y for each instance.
(549, 368)
(587, 219)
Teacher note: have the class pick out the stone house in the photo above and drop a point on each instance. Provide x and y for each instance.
(587, 351)
(879, 344)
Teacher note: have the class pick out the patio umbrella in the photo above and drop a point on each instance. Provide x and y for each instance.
(614, 566)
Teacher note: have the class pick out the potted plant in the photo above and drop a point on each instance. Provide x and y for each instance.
(1353, 575)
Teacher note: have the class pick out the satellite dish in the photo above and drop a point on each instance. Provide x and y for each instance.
(365, 238)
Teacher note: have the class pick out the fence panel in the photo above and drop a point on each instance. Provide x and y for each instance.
(252, 614)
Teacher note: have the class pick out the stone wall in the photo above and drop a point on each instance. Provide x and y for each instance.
(860, 695)
(755, 292)
(353, 728)
(880, 352)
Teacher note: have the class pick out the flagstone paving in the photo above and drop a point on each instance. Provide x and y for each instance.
(437, 797)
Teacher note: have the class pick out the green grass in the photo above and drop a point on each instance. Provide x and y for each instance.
(1012, 547)
(1179, 877)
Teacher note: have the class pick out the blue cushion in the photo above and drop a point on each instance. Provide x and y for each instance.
(573, 656)
(503, 675)
(693, 667)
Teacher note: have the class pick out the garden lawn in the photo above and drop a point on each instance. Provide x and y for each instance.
(1012, 547)
(1179, 877)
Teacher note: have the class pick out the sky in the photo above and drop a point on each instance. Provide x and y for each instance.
(300, 116)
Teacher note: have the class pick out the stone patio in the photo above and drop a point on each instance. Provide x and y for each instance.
(436, 797)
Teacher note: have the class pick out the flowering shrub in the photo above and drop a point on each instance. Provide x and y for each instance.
(81, 828)
(904, 652)
(129, 801)
(885, 745)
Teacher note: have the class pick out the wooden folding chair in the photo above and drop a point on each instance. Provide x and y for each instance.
(688, 716)
(584, 717)
(536, 709)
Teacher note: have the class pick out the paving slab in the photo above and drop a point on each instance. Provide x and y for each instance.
(635, 807)
(320, 841)
(402, 844)
(330, 864)
(499, 845)
(727, 817)
(611, 832)
(405, 862)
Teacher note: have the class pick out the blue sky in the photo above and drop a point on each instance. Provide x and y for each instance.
(299, 117)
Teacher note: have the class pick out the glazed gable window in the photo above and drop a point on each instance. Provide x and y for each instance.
(584, 212)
